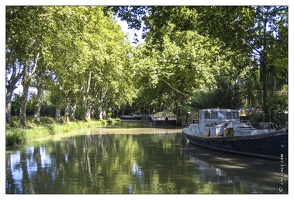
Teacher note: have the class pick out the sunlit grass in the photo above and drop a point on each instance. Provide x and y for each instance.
(18, 134)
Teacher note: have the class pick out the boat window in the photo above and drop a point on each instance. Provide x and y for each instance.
(214, 115)
(221, 115)
(228, 115)
(235, 115)
(206, 115)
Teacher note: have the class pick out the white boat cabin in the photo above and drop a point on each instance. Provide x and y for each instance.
(216, 116)
(209, 116)
(222, 122)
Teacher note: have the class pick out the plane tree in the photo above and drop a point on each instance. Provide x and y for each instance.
(23, 43)
(257, 34)
(260, 33)
(176, 60)
(75, 53)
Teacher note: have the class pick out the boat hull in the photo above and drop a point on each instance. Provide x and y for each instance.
(130, 117)
(164, 122)
(270, 145)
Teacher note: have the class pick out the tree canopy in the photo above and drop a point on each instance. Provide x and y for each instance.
(193, 56)
(252, 33)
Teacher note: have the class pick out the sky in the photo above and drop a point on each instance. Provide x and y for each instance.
(130, 32)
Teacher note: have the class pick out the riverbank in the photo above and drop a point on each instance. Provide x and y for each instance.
(47, 126)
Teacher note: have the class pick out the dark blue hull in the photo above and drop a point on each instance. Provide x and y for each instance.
(130, 118)
(271, 145)
(164, 122)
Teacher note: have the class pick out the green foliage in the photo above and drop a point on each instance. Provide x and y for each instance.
(47, 110)
(251, 40)
(257, 32)
(15, 136)
(278, 102)
(223, 53)
(186, 63)
(73, 42)
(225, 96)
(48, 126)
(80, 112)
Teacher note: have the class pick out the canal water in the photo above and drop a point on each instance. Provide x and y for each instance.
(132, 160)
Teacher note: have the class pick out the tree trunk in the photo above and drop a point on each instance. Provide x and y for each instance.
(38, 104)
(11, 85)
(88, 112)
(263, 77)
(9, 92)
(100, 109)
(176, 108)
(86, 102)
(66, 112)
(263, 67)
(57, 114)
(26, 84)
(23, 102)
(73, 111)
(100, 113)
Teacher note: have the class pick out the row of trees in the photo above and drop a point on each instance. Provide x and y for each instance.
(77, 54)
(208, 56)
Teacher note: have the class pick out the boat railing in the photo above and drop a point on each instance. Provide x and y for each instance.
(267, 125)
(224, 121)
(246, 124)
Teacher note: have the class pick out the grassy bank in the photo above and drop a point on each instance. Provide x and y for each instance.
(18, 134)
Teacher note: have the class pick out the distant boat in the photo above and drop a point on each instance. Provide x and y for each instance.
(131, 117)
(164, 118)
(221, 129)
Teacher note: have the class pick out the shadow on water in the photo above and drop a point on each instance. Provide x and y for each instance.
(141, 124)
(264, 175)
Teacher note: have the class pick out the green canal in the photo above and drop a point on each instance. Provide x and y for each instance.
(130, 159)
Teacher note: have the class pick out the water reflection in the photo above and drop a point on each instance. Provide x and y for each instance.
(137, 161)
(242, 173)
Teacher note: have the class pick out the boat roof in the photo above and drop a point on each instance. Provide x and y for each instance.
(220, 109)
(164, 113)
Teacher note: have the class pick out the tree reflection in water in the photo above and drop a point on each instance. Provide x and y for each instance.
(134, 160)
